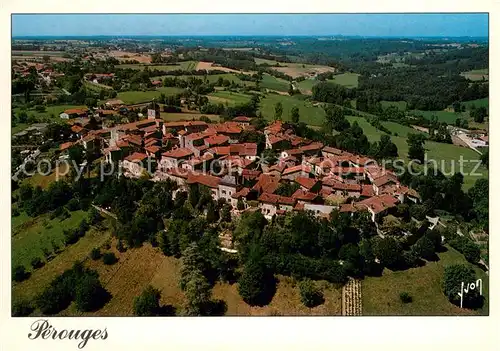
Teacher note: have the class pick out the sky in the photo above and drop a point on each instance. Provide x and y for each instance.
(398, 25)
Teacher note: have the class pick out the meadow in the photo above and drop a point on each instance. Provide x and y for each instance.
(442, 116)
(400, 105)
(349, 80)
(380, 295)
(185, 66)
(139, 267)
(30, 236)
(134, 97)
(273, 83)
(309, 114)
(228, 97)
(476, 74)
(478, 103)
(446, 155)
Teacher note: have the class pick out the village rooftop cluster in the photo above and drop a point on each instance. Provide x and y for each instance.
(211, 154)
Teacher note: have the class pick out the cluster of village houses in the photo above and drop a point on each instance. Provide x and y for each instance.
(185, 152)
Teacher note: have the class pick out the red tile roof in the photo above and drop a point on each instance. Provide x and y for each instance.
(332, 150)
(367, 190)
(311, 147)
(65, 146)
(276, 199)
(216, 140)
(178, 153)
(306, 182)
(298, 168)
(384, 180)
(266, 184)
(136, 157)
(204, 179)
(153, 149)
(378, 203)
(77, 111)
(76, 128)
(242, 193)
(242, 119)
(304, 195)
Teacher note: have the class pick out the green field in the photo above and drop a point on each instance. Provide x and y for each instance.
(170, 117)
(213, 78)
(478, 103)
(37, 53)
(31, 235)
(260, 61)
(306, 85)
(134, 97)
(228, 97)
(442, 116)
(400, 129)
(349, 80)
(447, 156)
(185, 66)
(381, 294)
(401, 105)
(476, 74)
(309, 114)
(50, 112)
(273, 83)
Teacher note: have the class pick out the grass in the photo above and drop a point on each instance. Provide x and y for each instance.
(306, 85)
(381, 294)
(446, 155)
(400, 129)
(140, 267)
(476, 74)
(401, 105)
(134, 97)
(54, 110)
(40, 278)
(43, 181)
(478, 103)
(229, 97)
(34, 234)
(213, 78)
(185, 66)
(309, 114)
(260, 61)
(442, 116)
(273, 83)
(349, 80)
(186, 116)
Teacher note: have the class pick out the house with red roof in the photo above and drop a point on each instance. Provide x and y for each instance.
(271, 204)
(309, 184)
(174, 158)
(136, 164)
(291, 173)
(242, 120)
(207, 180)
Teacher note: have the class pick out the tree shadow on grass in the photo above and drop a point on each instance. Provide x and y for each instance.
(167, 311)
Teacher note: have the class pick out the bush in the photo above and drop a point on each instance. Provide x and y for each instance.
(310, 295)
(19, 274)
(453, 278)
(21, 308)
(37, 263)
(405, 297)
(15, 212)
(120, 247)
(148, 303)
(90, 294)
(73, 205)
(109, 258)
(95, 254)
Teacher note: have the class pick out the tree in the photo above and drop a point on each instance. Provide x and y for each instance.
(405, 297)
(291, 91)
(424, 247)
(453, 278)
(416, 149)
(19, 274)
(198, 294)
(240, 205)
(256, 284)
(148, 303)
(310, 295)
(95, 254)
(472, 252)
(191, 261)
(479, 114)
(278, 111)
(388, 251)
(109, 258)
(295, 114)
(90, 294)
(212, 213)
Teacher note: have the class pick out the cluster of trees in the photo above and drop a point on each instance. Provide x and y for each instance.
(197, 85)
(332, 93)
(78, 284)
(445, 193)
(453, 278)
(479, 113)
